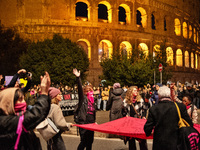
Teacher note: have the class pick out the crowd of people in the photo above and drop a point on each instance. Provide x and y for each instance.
(25, 107)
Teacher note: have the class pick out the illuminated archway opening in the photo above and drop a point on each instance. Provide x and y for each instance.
(177, 27)
(192, 60)
(141, 17)
(187, 62)
(144, 48)
(126, 48)
(105, 50)
(185, 31)
(85, 44)
(153, 22)
(124, 12)
(104, 12)
(179, 58)
(170, 54)
(190, 31)
(195, 35)
(196, 61)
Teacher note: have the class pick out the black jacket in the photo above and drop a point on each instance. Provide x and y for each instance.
(83, 105)
(163, 118)
(115, 103)
(9, 123)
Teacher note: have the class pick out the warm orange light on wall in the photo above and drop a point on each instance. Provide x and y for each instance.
(185, 30)
(128, 13)
(177, 27)
(187, 62)
(109, 10)
(126, 47)
(143, 47)
(170, 54)
(88, 48)
(105, 49)
(143, 16)
(179, 58)
(192, 60)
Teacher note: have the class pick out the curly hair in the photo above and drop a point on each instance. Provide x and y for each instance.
(129, 95)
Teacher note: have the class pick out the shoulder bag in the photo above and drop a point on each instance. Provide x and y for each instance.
(188, 137)
(47, 129)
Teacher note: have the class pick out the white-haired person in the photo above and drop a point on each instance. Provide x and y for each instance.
(163, 118)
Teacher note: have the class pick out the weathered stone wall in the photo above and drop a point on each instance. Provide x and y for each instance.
(40, 19)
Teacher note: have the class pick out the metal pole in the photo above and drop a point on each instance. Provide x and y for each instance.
(161, 77)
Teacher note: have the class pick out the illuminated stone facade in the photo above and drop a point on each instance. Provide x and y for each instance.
(144, 24)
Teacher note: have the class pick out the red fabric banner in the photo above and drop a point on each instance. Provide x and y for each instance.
(127, 126)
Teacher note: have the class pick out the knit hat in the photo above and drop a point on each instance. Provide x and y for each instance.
(159, 84)
(53, 92)
(116, 85)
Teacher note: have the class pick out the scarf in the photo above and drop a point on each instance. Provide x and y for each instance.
(20, 108)
(90, 102)
(188, 106)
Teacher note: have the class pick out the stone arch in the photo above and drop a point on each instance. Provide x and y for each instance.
(105, 49)
(187, 62)
(190, 31)
(156, 50)
(196, 61)
(192, 60)
(85, 44)
(185, 30)
(126, 48)
(153, 22)
(82, 10)
(144, 48)
(179, 58)
(127, 13)
(177, 25)
(141, 17)
(104, 9)
(170, 55)
(195, 35)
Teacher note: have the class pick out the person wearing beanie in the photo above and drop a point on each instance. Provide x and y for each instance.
(154, 98)
(17, 123)
(115, 102)
(56, 115)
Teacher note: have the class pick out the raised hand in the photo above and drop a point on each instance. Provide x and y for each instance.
(45, 83)
(76, 72)
(21, 71)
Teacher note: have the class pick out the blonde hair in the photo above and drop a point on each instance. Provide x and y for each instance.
(129, 95)
(54, 101)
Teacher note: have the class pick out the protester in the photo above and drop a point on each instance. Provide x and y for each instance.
(56, 115)
(191, 108)
(104, 95)
(154, 97)
(134, 103)
(17, 123)
(115, 102)
(86, 112)
(163, 118)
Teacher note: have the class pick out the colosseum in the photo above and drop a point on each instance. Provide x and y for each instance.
(101, 27)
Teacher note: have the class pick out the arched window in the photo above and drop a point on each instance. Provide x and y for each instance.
(105, 50)
(153, 22)
(81, 11)
(187, 63)
(104, 12)
(165, 24)
(190, 31)
(144, 48)
(179, 58)
(170, 54)
(196, 61)
(124, 14)
(192, 60)
(185, 30)
(85, 44)
(141, 17)
(126, 48)
(195, 35)
(177, 27)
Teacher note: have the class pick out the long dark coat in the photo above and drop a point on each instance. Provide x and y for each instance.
(163, 118)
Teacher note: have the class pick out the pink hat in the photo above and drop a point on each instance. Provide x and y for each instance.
(53, 92)
(116, 85)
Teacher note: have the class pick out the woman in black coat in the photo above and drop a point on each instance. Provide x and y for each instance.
(163, 118)
(13, 115)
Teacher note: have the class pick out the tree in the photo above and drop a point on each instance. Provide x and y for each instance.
(57, 56)
(11, 47)
(133, 69)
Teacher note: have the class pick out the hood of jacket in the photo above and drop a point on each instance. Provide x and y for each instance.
(7, 101)
(118, 91)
